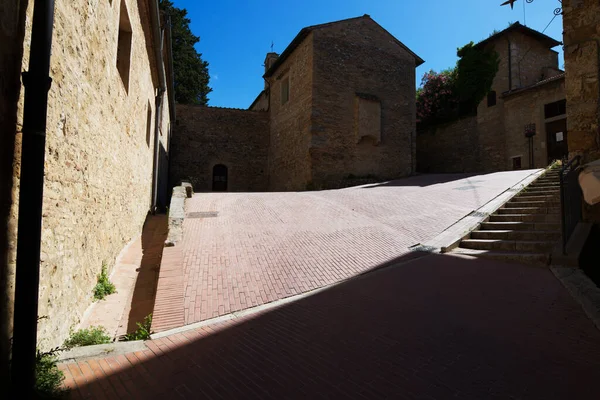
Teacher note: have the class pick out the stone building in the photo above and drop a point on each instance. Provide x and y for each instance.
(338, 104)
(528, 94)
(581, 35)
(108, 127)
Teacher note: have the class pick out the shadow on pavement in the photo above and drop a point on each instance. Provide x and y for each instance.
(423, 180)
(435, 327)
(154, 234)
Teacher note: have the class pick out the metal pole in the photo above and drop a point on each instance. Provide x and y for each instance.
(37, 83)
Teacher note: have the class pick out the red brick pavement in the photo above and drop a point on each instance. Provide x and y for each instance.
(437, 327)
(266, 246)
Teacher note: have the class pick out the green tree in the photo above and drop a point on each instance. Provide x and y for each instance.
(191, 72)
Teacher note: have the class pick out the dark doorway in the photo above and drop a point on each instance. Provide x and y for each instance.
(557, 140)
(219, 178)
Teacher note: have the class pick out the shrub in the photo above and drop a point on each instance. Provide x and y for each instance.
(142, 332)
(104, 287)
(48, 378)
(87, 337)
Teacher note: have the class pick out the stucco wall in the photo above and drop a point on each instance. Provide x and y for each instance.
(451, 147)
(207, 136)
(353, 59)
(98, 154)
(289, 161)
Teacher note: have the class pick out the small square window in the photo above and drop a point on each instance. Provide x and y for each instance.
(516, 162)
(491, 99)
(285, 90)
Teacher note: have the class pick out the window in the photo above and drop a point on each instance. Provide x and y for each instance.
(124, 46)
(148, 123)
(555, 109)
(516, 162)
(285, 90)
(491, 98)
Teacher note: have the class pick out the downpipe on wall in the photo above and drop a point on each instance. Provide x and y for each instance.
(158, 51)
(37, 83)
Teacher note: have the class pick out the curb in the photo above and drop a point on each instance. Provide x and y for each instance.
(100, 350)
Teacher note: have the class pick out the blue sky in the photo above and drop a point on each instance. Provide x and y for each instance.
(235, 35)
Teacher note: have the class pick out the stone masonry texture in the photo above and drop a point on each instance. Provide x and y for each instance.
(359, 58)
(338, 108)
(99, 154)
(290, 130)
(207, 136)
(451, 147)
(581, 27)
(498, 133)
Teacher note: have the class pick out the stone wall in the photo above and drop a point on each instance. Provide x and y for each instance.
(357, 60)
(99, 153)
(12, 23)
(289, 160)
(207, 136)
(490, 120)
(581, 22)
(581, 28)
(525, 108)
(451, 147)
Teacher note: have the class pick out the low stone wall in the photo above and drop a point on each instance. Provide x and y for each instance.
(209, 136)
(451, 147)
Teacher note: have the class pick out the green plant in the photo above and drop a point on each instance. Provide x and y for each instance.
(143, 331)
(48, 378)
(87, 337)
(104, 287)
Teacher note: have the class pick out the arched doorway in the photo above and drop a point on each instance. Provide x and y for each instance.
(219, 178)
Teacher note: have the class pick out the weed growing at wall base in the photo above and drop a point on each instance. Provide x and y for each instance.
(143, 331)
(87, 337)
(104, 287)
(48, 378)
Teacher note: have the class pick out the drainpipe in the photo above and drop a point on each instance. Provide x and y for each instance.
(158, 34)
(37, 83)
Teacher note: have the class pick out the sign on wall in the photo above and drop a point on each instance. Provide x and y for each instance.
(559, 136)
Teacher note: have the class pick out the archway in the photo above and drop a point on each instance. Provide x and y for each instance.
(219, 178)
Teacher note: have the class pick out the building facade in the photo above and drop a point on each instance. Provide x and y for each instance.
(108, 127)
(522, 121)
(339, 104)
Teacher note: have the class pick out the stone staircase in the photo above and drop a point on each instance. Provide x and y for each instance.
(525, 229)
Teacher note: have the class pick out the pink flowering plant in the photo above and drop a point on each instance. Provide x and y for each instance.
(436, 98)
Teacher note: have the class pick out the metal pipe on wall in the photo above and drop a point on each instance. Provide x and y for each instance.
(37, 83)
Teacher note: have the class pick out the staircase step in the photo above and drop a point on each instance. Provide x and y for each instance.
(524, 218)
(508, 245)
(525, 204)
(529, 210)
(537, 259)
(532, 197)
(516, 235)
(521, 226)
(551, 189)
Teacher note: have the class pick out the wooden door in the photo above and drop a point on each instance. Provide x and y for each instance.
(556, 133)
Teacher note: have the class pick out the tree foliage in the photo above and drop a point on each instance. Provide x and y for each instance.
(457, 91)
(191, 72)
(436, 98)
